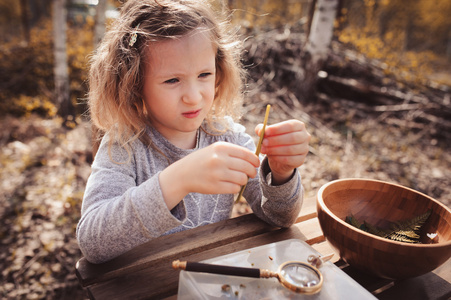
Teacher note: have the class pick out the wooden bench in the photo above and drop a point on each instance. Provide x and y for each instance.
(145, 272)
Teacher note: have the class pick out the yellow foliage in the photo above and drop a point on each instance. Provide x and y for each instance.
(25, 105)
(260, 14)
(433, 13)
(27, 70)
(394, 32)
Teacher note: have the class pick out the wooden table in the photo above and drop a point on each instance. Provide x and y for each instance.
(145, 272)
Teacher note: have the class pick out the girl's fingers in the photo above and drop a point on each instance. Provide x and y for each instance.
(217, 169)
(242, 167)
(247, 157)
(226, 180)
(285, 134)
(286, 150)
(281, 128)
(229, 150)
(286, 145)
(226, 162)
(287, 161)
(235, 177)
(292, 138)
(227, 188)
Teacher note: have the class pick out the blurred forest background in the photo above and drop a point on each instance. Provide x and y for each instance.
(379, 107)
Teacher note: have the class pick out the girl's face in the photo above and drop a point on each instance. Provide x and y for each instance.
(179, 86)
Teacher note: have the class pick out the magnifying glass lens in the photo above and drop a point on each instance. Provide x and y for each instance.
(299, 275)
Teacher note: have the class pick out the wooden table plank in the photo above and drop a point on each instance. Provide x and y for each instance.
(124, 274)
(146, 272)
(163, 280)
(325, 249)
(170, 246)
(308, 210)
(427, 286)
(186, 242)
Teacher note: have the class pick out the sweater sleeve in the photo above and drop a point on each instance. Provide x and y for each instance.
(117, 213)
(277, 205)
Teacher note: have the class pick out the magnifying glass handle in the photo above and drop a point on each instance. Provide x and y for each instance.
(296, 276)
(216, 269)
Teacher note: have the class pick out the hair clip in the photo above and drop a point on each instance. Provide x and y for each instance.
(134, 36)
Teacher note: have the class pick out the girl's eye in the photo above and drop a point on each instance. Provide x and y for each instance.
(203, 75)
(172, 80)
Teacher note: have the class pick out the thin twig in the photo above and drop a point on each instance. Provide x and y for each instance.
(259, 147)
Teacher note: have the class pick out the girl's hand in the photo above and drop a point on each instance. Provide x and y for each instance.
(286, 145)
(220, 168)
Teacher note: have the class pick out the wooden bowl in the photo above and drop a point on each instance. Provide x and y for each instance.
(380, 203)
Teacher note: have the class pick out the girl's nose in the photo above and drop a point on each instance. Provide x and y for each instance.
(192, 94)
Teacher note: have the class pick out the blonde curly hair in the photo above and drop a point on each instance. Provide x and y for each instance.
(116, 75)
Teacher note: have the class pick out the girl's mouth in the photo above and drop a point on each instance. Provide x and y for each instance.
(191, 114)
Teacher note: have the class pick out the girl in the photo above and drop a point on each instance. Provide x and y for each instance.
(165, 87)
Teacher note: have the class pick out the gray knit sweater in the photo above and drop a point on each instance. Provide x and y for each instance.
(123, 204)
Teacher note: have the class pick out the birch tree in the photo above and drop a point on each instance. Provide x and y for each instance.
(99, 30)
(318, 43)
(61, 69)
(25, 22)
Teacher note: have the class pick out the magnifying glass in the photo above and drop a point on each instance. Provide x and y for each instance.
(297, 276)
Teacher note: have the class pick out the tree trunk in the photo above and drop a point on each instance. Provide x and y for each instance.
(99, 30)
(311, 12)
(448, 46)
(321, 31)
(25, 22)
(61, 70)
(317, 46)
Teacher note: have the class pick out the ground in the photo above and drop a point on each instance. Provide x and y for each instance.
(44, 168)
